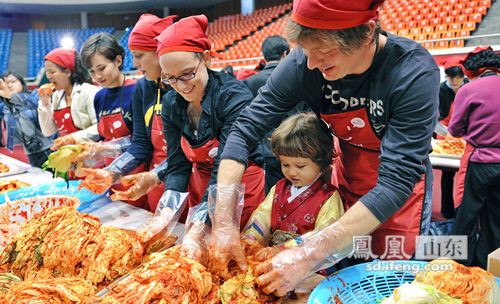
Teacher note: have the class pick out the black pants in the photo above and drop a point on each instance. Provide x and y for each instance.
(479, 214)
(447, 205)
(38, 158)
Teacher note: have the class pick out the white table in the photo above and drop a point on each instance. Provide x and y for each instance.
(28, 174)
(439, 162)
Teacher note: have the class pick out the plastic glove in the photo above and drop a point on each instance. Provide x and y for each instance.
(194, 245)
(266, 253)
(97, 181)
(97, 151)
(139, 183)
(63, 141)
(319, 250)
(225, 244)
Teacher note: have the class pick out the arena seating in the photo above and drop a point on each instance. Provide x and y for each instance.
(127, 64)
(423, 20)
(5, 44)
(40, 42)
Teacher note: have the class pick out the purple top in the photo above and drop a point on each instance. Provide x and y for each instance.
(476, 117)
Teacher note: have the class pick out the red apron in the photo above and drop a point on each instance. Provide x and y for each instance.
(64, 121)
(111, 127)
(357, 173)
(462, 170)
(159, 152)
(202, 158)
(299, 215)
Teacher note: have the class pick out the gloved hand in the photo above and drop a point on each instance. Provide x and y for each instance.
(194, 245)
(97, 151)
(318, 250)
(63, 141)
(266, 253)
(225, 244)
(97, 180)
(139, 183)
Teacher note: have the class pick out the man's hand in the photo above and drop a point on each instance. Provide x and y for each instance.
(225, 249)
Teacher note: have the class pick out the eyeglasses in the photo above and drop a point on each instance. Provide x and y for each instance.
(184, 77)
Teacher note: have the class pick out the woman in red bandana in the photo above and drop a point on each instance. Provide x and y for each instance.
(476, 117)
(198, 113)
(379, 93)
(148, 141)
(69, 111)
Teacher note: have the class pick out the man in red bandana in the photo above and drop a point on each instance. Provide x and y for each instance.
(379, 93)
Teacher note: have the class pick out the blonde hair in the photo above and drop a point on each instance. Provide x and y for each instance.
(304, 135)
(346, 39)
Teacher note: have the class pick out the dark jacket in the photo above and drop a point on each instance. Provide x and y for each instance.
(255, 82)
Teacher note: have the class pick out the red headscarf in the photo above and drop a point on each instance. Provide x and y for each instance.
(142, 37)
(62, 57)
(187, 34)
(334, 14)
(473, 74)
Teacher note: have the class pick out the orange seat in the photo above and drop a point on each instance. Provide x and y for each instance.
(472, 4)
(415, 31)
(457, 43)
(467, 11)
(441, 28)
(470, 26)
(455, 27)
(462, 33)
(441, 45)
(461, 19)
(486, 3)
(428, 30)
(434, 36)
(423, 23)
(459, 7)
(428, 45)
(449, 20)
(435, 21)
(448, 35)
(404, 32)
(477, 18)
(421, 37)
(481, 10)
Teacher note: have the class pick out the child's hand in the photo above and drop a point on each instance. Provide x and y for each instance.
(267, 253)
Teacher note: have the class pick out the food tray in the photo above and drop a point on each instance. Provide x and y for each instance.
(14, 169)
(364, 283)
(452, 156)
(55, 188)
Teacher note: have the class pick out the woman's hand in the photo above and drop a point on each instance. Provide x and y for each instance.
(140, 184)
(5, 92)
(63, 141)
(45, 92)
(97, 181)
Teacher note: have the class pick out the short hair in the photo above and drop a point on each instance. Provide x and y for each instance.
(483, 59)
(454, 71)
(347, 39)
(104, 44)
(304, 135)
(274, 46)
(18, 77)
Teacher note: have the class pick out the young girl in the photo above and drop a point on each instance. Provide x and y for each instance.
(69, 111)
(304, 200)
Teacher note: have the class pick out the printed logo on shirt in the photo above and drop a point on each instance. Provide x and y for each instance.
(341, 104)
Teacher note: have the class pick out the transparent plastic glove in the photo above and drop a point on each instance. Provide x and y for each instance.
(266, 253)
(140, 184)
(97, 180)
(97, 151)
(441, 130)
(63, 141)
(225, 206)
(194, 245)
(285, 271)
